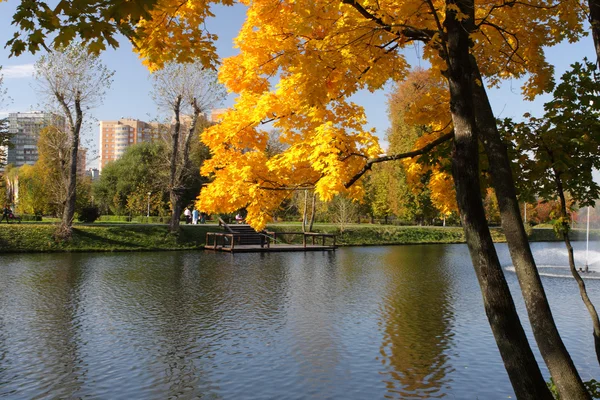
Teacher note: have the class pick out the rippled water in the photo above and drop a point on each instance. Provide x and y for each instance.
(360, 323)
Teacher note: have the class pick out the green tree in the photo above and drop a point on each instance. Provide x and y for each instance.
(124, 184)
(53, 167)
(564, 146)
(377, 192)
(42, 187)
(139, 171)
(33, 197)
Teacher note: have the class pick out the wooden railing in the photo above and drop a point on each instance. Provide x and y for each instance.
(231, 239)
(307, 235)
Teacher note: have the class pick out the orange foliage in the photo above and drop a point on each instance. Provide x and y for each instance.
(301, 61)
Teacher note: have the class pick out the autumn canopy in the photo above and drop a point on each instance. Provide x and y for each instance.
(299, 64)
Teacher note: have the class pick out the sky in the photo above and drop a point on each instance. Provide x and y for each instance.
(129, 95)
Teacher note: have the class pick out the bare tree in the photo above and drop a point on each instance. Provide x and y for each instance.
(72, 82)
(274, 144)
(301, 200)
(186, 90)
(343, 211)
(4, 135)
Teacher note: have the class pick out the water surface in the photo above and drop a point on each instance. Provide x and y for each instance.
(361, 323)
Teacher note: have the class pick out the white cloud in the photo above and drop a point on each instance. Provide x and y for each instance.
(17, 71)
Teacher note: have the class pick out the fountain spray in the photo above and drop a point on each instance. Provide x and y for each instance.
(587, 239)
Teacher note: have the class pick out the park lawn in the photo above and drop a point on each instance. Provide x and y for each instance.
(38, 237)
(374, 234)
(122, 237)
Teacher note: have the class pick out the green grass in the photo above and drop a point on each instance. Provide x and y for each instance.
(38, 237)
(546, 234)
(129, 237)
(367, 234)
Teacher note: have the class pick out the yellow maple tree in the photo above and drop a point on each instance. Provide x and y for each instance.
(319, 54)
(299, 64)
(422, 100)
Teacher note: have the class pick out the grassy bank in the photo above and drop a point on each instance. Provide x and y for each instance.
(365, 234)
(38, 238)
(131, 237)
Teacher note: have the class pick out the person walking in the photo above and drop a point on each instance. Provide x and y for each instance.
(6, 212)
(188, 215)
(195, 217)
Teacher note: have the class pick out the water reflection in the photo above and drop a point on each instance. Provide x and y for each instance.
(160, 321)
(417, 323)
(376, 322)
(149, 310)
(48, 315)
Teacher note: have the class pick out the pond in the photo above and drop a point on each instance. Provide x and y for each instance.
(359, 323)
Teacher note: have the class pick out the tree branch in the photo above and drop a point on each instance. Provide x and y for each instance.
(410, 154)
(287, 188)
(412, 33)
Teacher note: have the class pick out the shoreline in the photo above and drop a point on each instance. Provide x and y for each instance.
(114, 237)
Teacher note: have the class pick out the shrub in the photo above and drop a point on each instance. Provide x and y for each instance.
(592, 386)
(151, 220)
(89, 214)
(114, 218)
(29, 218)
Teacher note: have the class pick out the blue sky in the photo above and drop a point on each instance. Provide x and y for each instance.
(129, 95)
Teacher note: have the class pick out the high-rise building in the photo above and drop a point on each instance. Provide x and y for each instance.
(81, 161)
(216, 114)
(93, 173)
(117, 136)
(25, 129)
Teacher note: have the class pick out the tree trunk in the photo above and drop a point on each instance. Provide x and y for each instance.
(313, 210)
(66, 226)
(174, 195)
(584, 296)
(582, 289)
(519, 361)
(305, 210)
(594, 19)
(175, 199)
(188, 140)
(550, 344)
(179, 168)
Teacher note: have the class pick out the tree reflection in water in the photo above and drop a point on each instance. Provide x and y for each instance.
(417, 319)
(51, 320)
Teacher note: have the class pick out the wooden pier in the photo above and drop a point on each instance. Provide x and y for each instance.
(241, 238)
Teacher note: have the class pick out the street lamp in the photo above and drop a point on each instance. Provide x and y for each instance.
(148, 215)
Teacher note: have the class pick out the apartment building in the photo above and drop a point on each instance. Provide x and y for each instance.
(117, 136)
(93, 173)
(25, 129)
(81, 161)
(216, 114)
